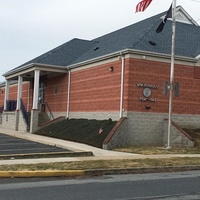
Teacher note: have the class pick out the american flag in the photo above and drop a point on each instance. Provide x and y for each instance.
(141, 6)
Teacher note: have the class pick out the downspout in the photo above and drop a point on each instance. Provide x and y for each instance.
(68, 93)
(122, 85)
(28, 102)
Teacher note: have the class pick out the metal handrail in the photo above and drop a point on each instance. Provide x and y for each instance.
(50, 113)
(11, 105)
(25, 113)
(1, 112)
(1, 109)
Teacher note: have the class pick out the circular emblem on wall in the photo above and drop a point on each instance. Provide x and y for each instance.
(147, 92)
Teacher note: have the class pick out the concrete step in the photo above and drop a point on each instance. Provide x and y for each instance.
(43, 118)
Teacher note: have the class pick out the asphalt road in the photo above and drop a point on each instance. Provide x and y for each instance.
(166, 186)
(12, 145)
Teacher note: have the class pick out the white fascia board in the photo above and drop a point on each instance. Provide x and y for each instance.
(131, 51)
(35, 66)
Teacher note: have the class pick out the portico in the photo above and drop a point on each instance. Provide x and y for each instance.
(31, 75)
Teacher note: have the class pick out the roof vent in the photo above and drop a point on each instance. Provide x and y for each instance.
(96, 48)
(152, 43)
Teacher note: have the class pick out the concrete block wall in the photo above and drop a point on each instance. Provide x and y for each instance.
(14, 121)
(177, 137)
(145, 128)
(149, 128)
(118, 136)
(9, 120)
(95, 115)
(188, 121)
(34, 121)
(22, 124)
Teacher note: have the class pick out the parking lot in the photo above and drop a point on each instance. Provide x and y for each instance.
(11, 146)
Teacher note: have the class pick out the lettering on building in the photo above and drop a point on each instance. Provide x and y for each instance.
(147, 92)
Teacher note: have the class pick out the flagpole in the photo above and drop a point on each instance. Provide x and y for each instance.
(171, 73)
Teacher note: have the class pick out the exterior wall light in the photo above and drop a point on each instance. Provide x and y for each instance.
(111, 69)
(148, 107)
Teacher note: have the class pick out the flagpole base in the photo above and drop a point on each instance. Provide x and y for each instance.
(168, 147)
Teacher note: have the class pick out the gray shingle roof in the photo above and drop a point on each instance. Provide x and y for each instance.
(135, 36)
(119, 40)
(187, 40)
(139, 35)
(64, 54)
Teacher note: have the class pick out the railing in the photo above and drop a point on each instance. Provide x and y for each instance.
(11, 105)
(1, 112)
(25, 113)
(1, 109)
(51, 117)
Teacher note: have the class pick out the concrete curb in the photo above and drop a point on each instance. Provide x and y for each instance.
(47, 155)
(96, 172)
(46, 173)
(159, 169)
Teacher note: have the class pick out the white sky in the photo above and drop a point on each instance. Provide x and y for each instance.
(32, 27)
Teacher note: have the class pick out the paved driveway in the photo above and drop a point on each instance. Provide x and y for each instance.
(13, 145)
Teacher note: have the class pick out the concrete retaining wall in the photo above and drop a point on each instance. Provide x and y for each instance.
(21, 124)
(150, 129)
(117, 137)
(178, 137)
(8, 120)
(95, 115)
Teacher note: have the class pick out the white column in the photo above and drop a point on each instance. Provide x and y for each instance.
(6, 94)
(19, 92)
(36, 89)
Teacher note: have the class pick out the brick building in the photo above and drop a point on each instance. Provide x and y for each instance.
(120, 74)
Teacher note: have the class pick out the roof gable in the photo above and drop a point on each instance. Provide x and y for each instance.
(182, 16)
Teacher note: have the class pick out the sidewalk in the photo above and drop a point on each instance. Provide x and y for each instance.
(72, 146)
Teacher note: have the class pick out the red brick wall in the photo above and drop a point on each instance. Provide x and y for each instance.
(155, 73)
(96, 89)
(27, 92)
(57, 102)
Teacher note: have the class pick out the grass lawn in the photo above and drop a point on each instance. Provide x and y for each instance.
(104, 164)
(92, 132)
(149, 150)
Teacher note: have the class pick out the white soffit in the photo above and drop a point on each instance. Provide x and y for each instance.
(183, 17)
(198, 57)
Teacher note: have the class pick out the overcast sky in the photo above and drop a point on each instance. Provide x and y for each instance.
(32, 27)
